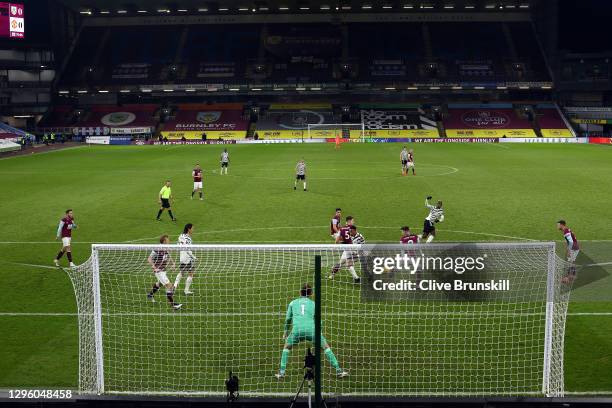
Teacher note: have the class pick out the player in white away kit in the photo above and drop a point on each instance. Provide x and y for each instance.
(300, 174)
(404, 160)
(224, 161)
(573, 249)
(436, 214)
(187, 260)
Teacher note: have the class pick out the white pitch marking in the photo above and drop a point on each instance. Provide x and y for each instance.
(33, 265)
(280, 314)
(45, 152)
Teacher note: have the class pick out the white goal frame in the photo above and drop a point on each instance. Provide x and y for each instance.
(91, 328)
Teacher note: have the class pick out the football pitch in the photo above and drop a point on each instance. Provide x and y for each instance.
(491, 192)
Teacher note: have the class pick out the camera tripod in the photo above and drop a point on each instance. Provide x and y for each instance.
(308, 379)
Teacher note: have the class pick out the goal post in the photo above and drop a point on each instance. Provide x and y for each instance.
(336, 130)
(430, 341)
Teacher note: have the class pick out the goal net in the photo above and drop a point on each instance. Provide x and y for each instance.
(427, 341)
(336, 130)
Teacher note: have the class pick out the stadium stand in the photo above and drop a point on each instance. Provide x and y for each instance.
(217, 121)
(551, 122)
(309, 53)
(491, 120)
(397, 121)
(290, 121)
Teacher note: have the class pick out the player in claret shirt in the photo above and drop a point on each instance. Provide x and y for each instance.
(348, 257)
(410, 164)
(334, 227)
(159, 259)
(408, 237)
(572, 249)
(197, 181)
(64, 231)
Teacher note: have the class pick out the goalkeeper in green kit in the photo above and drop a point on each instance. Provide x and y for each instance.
(300, 315)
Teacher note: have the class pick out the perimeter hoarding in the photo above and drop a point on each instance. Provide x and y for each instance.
(12, 20)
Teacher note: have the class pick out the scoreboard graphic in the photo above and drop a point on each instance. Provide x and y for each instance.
(12, 20)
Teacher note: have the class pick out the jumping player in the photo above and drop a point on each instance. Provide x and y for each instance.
(348, 257)
(335, 224)
(224, 161)
(300, 174)
(572, 250)
(165, 198)
(187, 260)
(436, 214)
(300, 318)
(408, 237)
(64, 231)
(197, 181)
(159, 259)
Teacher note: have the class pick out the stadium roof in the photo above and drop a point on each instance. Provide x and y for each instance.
(143, 7)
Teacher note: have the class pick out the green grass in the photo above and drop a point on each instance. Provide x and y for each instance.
(491, 193)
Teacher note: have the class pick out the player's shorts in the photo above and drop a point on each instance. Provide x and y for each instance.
(300, 177)
(428, 227)
(410, 164)
(224, 164)
(404, 162)
(66, 241)
(348, 256)
(186, 267)
(296, 337)
(165, 203)
(335, 235)
(197, 185)
(162, 278)
(572, 255)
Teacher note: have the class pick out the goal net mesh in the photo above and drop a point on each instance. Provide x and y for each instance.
(418, 343)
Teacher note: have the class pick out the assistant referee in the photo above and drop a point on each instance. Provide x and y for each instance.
(165, 196)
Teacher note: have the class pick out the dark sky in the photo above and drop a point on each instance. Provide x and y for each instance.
(585, 25)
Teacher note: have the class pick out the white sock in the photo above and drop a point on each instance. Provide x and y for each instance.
(178, 280)
(304, 186)
(188, 283)
(430, 238)
(353, 273)
(420, 236)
